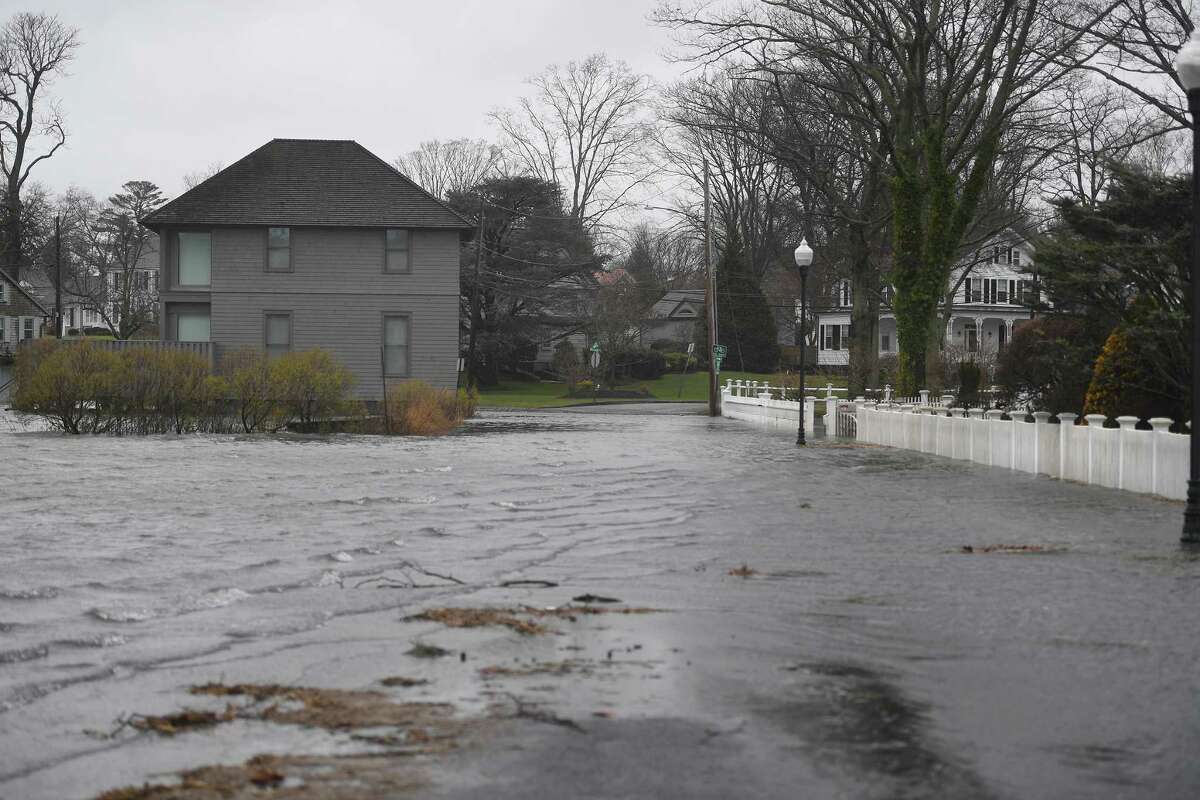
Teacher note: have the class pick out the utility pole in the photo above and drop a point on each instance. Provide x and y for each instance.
(710, 303)
(58, 309)
(471, 378)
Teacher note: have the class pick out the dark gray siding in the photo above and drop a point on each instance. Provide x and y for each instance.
(337, 294)
(351, 327)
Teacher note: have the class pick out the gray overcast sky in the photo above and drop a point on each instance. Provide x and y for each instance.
(161, 88)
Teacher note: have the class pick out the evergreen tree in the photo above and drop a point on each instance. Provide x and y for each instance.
(745, 324)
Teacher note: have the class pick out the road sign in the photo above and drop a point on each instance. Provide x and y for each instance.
(595, 347)
(595, 358)
(691, 348)
(719, 351)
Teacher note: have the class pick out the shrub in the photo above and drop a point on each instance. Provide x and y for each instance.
(66, 385)
(310, 386)
(668, 346)
(414, 408)
(1048, 364)
(677, 362)
(1125, 382)
(566, 362)
(639, 363)
(254, 394)
(969, 378)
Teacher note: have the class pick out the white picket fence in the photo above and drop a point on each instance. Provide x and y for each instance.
(1153, 461)
(761, 403)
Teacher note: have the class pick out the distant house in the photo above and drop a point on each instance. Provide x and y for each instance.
(993, 297)
(315, 243)
(674, 316)
(22, 315)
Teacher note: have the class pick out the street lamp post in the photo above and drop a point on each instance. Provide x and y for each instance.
(804, 258)
(1187, 65)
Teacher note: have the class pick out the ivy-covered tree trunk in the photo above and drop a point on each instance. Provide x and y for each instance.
(864, 319)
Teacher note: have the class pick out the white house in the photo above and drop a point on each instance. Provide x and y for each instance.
(994, 296)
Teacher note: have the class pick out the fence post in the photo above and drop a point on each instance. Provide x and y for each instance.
(992, 416)
(1160, 425)
(1040, 420)
(975, 414)
(1127, 429)
(1093, 421)
(887, 393)
(1066, 421)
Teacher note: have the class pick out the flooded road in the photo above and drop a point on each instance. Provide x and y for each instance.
(864, 653)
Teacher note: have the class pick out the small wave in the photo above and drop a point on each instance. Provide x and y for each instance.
(427, 500)
(218, 598)
(42, 593)
(140, 614)
(24, 654)
(215, 599)
(98, 640)
(329, 578)
(342, 556)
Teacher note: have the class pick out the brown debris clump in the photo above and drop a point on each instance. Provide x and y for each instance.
(457, 617)
(1008, 548)
(189, 719)
(744, 571)
(332, 709)
(403, 682)
(291, 777)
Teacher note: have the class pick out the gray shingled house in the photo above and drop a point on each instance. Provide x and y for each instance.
(315, 243)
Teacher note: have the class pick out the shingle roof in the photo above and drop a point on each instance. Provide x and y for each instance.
(297, 182)
(4, 276)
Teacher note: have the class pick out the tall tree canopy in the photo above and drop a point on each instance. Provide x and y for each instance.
(34, 51)
(535, 275)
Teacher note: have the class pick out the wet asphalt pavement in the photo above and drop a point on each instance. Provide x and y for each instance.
(864, 655)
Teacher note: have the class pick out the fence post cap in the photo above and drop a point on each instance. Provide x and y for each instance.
(1127, 422)
(1095, 419)
(1161, 424)
(993, 413)
(975, 413)
(1067, 417)
(1041, 417)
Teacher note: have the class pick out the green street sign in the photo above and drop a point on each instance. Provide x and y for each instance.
(719, 351)
(595, 347)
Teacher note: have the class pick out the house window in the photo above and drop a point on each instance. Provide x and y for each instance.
(27, 328)
(3, 292)
(887, 294)
(845, 330)
(395, 346)
(279, 249)
(277, 333)
(995, 290)
(195, 258)
(1014, 256)
(192, 326)
(886, 345)
(844, 293)
(71, 317)
(398, 255)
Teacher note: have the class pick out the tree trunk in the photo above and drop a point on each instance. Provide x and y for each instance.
(864, 320)
(12, 232)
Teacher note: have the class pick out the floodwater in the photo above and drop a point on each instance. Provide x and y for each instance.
(871, 645)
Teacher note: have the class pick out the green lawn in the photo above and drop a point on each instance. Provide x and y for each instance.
(672, 387)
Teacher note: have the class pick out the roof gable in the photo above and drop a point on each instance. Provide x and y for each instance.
(309, 182)
(4, 276)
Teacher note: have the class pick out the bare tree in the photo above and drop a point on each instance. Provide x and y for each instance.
(1132, 45)
(193, 179)
(452, 166)
(34, 50)
(110, 251)
(584, 128)
(940, 83)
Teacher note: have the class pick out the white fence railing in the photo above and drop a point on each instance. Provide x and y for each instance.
(1153, 461)
(758, 401)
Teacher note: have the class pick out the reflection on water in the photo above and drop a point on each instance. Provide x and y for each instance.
(853, 718)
